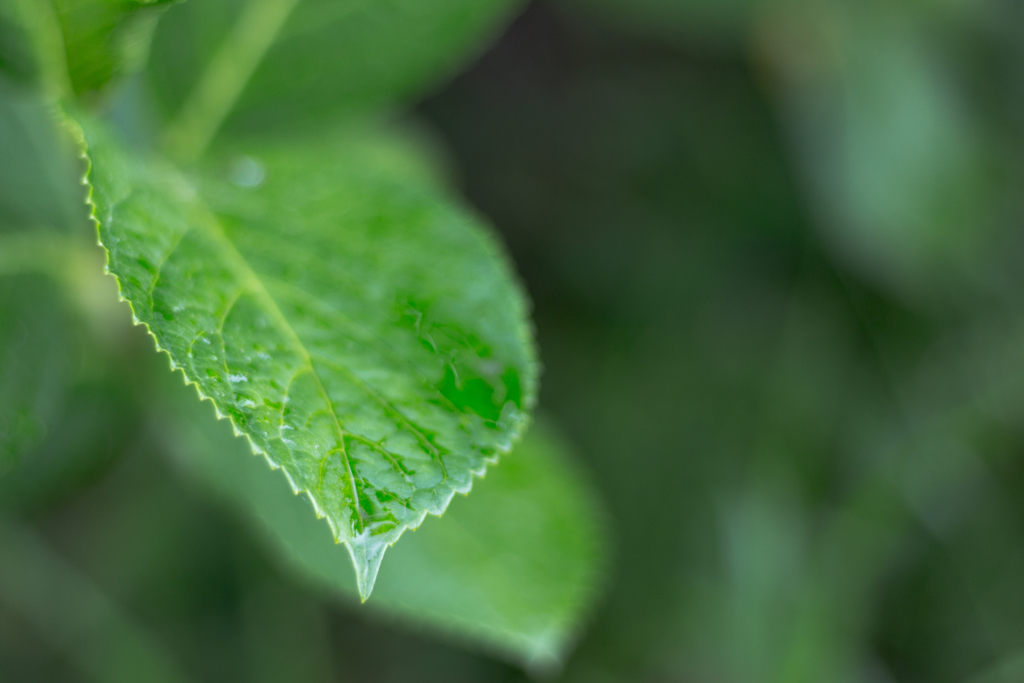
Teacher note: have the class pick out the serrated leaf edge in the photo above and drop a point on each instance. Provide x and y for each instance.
(366, 567)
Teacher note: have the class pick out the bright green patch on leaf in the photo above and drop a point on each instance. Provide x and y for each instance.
(363, 334)
(512, 567)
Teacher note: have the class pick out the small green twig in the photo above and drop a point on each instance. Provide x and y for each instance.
(48, 46)
(222, 83)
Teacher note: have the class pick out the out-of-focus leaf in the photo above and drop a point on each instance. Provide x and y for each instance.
(363, 333)
(75, 615)
(37, 335)
(1006, 670)
(17, 59)
(95, 422)
(105, 38)
(512, 567)
(39, 176)
(41, 201)
(710, 24)
(36, 362)
(893, 154)
(55, 304)
(309, 59)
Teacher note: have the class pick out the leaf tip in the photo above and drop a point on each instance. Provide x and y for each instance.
(367, 552)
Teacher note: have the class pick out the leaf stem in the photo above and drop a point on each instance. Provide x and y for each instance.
(48, 46)
(221, 84)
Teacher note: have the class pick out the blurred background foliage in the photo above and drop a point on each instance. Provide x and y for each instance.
(775, 255)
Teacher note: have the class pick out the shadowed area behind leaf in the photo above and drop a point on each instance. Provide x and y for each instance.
(513, 567)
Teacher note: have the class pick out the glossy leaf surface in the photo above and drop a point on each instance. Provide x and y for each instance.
(364, 335)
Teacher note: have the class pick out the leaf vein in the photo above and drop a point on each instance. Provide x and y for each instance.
(162, 264)
(390, 408)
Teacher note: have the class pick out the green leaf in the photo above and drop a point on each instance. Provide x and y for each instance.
(512, 568)
(105, 38)
(704, 24)
(891, 147)
(284, 63)
(76, 617)
(17, 56)
(53, 295)
(36, 353)
(40, 202)
(365, 335)
(39, 176)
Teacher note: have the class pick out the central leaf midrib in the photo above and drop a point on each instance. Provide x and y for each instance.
(252, 284)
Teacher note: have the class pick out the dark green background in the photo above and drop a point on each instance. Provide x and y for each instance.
(775, 256)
